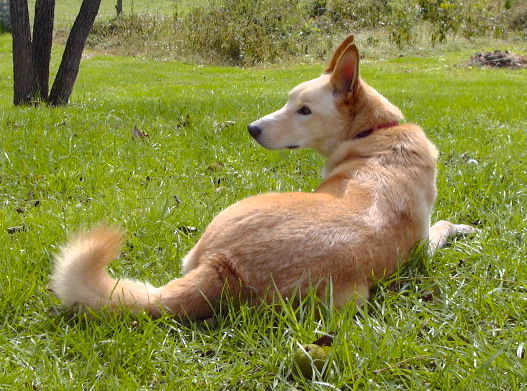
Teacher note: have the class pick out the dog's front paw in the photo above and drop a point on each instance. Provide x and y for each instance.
(463, 229)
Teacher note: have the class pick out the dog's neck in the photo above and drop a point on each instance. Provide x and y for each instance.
(370, 111)
(367, 132)
(357, 147)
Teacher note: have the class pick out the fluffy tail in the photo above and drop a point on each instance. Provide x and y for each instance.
(80, 277)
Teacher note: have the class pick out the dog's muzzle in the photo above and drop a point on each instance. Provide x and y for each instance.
(254, 130)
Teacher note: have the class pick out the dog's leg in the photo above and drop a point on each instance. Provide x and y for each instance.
(198, 293)
(442, 230)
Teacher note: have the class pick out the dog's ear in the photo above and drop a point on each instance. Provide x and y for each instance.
(331, 66)
(345, 75)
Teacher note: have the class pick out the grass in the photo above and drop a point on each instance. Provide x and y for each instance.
(454, 322)
(66, 10)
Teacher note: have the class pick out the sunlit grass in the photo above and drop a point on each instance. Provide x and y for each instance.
(66, 10)
(455, 322)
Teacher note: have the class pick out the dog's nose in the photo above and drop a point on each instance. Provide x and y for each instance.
(254, 130)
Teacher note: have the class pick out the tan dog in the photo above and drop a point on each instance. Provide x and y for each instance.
(359, 225)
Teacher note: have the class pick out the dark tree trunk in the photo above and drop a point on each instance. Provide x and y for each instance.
(69, 66)
(42, 42)
(119, 7)
(23, 75)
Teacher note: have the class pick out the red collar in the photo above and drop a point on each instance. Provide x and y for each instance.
(367, 132)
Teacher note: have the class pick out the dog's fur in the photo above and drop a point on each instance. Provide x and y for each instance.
(359, 225)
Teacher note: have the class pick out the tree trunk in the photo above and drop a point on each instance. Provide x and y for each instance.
(23, 75)
(119, 7)
(69, 66)
(42, 42)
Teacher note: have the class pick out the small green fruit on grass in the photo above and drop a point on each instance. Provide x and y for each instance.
(308, 357)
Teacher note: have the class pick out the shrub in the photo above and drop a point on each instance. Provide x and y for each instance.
(402, 21)
(444, 17)
(363, 13)
(243, 33)
(518, 17)
(315, 8)
(246, 33)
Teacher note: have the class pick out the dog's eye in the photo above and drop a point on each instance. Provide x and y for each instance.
(304, 110)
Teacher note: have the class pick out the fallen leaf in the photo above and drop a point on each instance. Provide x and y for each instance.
(184, 123)
(325, 340)
(139, 134)
(187, 229)
(14, 230)
(223, 125)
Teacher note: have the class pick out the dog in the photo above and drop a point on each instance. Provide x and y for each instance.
(357, 227)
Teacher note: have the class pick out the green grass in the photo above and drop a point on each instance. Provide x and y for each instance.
(455, 322)
(66, 10)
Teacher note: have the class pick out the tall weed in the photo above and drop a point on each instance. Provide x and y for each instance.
(243, 33)
(403, 19)
(444, 16)
(362, 13)
(135, 34)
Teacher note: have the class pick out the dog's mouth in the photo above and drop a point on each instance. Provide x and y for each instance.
(293, 147)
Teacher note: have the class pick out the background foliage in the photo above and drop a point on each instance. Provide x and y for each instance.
(237, 32)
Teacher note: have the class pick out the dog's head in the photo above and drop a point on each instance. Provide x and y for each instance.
(316, 114)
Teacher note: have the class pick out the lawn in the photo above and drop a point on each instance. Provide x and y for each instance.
(66, 10)
(453, 322)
